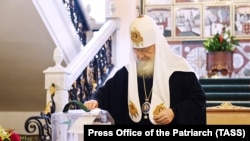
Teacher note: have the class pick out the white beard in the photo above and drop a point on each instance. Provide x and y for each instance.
(145, 68)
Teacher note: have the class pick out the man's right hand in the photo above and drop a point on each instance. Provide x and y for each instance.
(91, 104)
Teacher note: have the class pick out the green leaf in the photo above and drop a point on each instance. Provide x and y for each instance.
(78, 103)
(217, 44)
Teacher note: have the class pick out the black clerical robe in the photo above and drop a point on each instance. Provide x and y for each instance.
(187, 98)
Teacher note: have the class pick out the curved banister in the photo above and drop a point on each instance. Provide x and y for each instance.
(90, 50)
(76, 57)
(63, 77)
(76, 61)
(60, 27)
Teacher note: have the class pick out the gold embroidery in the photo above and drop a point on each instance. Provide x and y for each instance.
(159, 108)
(133, 110)
(136, 37)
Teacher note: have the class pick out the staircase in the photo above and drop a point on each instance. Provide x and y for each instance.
(236, 91)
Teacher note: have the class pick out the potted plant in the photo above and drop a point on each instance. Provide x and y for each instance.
(220, 49)
(9, 135)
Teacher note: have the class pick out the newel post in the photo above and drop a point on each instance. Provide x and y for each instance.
(57, 75)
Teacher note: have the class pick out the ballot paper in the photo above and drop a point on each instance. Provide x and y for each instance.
(83, 119)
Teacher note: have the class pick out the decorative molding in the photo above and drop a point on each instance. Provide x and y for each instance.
(228, 105)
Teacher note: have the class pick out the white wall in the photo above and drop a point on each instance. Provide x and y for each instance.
(126, 11)
(16, 120)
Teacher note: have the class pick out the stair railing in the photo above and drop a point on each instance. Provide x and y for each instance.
(68, 49)
(63, 77)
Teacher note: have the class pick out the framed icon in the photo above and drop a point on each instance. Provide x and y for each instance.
(163, 18)
(241, 20)
(187, 21)
(215, 18)
(157, 2)
(192, 1)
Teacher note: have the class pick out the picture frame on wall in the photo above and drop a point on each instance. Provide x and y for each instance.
(240, 0)
(157, 2)
(215, 18)
(241, 20)
(187, 21)
(224, 0)
(191, 1)
(163, 18)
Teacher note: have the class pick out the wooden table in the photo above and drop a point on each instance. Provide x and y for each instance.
(228, 114)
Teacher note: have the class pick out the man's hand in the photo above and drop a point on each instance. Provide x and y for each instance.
(91, 104)
(164, 117)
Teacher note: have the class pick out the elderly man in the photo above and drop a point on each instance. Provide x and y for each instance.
(156, 87)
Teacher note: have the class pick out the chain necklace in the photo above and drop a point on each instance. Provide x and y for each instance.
(146, 104)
